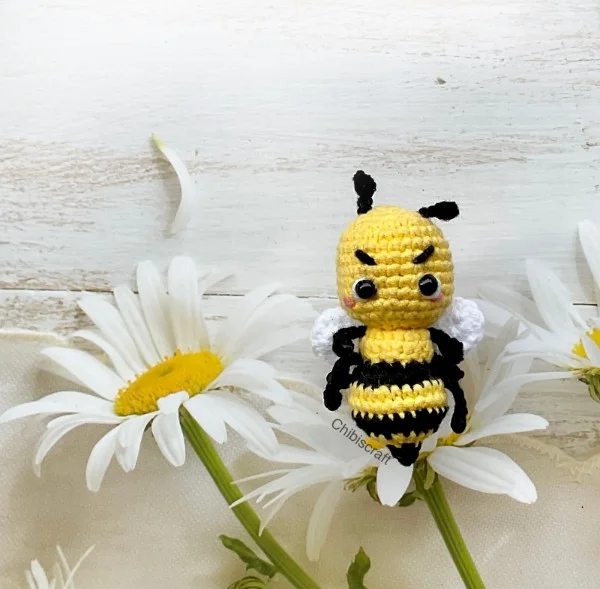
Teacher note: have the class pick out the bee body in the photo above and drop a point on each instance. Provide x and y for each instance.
(396, 395)
(395, 278)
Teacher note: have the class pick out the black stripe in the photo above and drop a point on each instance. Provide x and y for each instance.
(389, 373)
(423, 421)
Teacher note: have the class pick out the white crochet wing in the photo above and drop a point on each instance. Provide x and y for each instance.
(464, 321)
(327, 324)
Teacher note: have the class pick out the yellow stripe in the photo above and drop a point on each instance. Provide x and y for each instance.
(397, 439)
(386, 400)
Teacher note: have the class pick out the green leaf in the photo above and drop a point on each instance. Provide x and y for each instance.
(408, 499)
(250, 582)
(429, 477)
(248, 556)
(358, 569)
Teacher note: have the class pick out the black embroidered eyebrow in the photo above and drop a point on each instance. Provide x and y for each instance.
(424, 255)
(365, 258)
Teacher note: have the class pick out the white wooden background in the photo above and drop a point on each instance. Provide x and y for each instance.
(273, 106)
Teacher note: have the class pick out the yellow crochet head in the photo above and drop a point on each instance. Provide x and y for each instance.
(394, 267)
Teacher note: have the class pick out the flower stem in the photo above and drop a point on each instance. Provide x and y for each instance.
(440, 510)
(205, 450)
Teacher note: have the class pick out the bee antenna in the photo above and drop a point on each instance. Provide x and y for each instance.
(365, 187)
(445, 211)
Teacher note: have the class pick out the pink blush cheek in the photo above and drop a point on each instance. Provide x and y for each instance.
(349, 302)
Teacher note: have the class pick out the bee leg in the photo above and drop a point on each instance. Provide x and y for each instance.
(406, 454)
(459, 417)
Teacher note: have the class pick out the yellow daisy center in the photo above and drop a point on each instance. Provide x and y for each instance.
(594, 335)
(191, 372)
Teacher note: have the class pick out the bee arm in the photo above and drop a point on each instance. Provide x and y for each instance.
(450, 348)
(339, 379)
(343, 340)
(459, 417)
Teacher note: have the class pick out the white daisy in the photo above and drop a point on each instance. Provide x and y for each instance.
(558, 333)
(334, 455)
(63, 574)
(163, 358)
(336, 459)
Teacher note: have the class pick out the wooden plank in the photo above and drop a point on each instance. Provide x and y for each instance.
(574, 417)
(273, 108)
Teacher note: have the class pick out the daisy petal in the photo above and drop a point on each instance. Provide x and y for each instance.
(111, 324)
(483, 469)
(61, 402)
(321, 518)
(39, 576)
(392, 481)
(254, 376)
(99, 459)
(188, 191)
(246, 421)
(509, 388)
(589, 236)
(53, 435)
(87, 370)
(129, 440)
(206, 411)
(154, 301)
(236, 322)
(505, 424)
(167, 429)
(552, 298)
(186, 316)
(123, 369)
(131, 311)
(592, 350)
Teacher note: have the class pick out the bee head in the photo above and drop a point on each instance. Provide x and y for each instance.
(394, 267)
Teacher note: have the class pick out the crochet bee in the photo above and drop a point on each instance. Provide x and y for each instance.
(395, 283)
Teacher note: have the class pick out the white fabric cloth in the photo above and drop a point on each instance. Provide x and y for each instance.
(157, 527)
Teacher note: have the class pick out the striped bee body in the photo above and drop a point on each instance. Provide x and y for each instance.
(397, 394)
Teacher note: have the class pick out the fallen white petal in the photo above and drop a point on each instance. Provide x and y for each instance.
(87, 370)
(154, 301)
(131, 311)
(505, 424)
(321, 518)
(99, 459)
(485, 470)
(188, 190)
(392, 481)
(61, 402)
(39, 576)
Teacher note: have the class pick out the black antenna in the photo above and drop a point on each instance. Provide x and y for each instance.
(365, 187)
(445, 211)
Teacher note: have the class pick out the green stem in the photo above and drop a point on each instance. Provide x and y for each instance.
(440, 510)
(205, 450)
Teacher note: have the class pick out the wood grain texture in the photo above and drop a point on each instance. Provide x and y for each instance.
(274, 106)
(574, 417)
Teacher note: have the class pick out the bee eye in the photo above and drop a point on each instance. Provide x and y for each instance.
(364, 289)
(430, 286)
